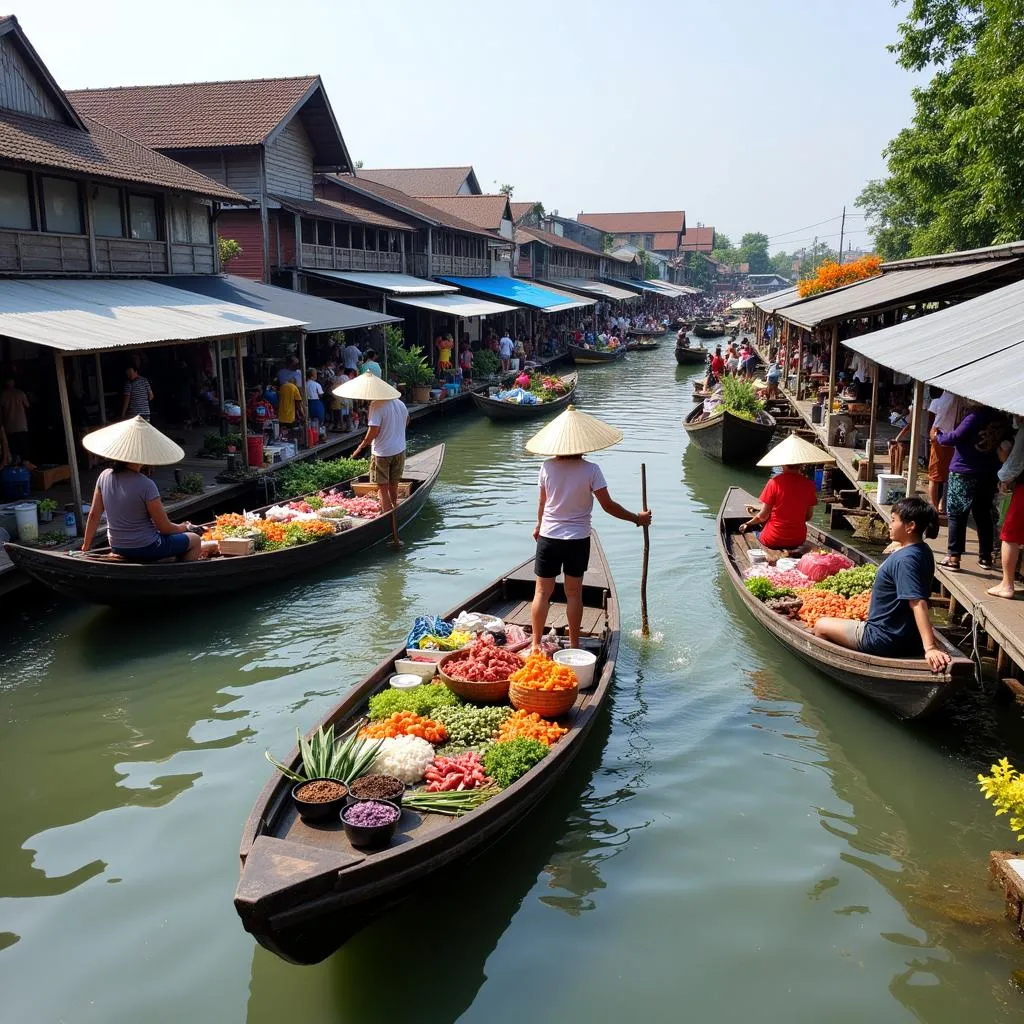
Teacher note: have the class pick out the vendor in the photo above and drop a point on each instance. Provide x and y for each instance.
(137, 525)
(788, 499)
(568, 486)
(898, 625)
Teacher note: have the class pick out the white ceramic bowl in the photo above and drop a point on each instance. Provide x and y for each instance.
(426, 670)
(405, 681)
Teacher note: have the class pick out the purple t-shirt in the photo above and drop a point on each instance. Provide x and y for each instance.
(974, 450)
(124, 499)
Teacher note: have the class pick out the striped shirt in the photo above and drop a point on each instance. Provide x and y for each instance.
(138, 396)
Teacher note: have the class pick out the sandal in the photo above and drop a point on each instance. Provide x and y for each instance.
(985, 563)
(950, 564)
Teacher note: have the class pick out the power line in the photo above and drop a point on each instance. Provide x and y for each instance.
(807, 227)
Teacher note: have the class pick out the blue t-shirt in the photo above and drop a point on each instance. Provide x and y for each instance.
(906, 575)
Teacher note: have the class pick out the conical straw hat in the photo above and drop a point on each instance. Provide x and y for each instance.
(133, 440)
(367, 387)
(573, 433)
(795, 451)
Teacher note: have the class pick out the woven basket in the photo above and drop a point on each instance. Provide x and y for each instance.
(547, 703)
(477, 693)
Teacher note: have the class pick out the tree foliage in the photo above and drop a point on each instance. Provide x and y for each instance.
(228, 249)
(956, 174)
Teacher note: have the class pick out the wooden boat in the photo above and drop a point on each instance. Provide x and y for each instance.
(104, 579)
(647, 332)
(708, 329)
(648, 345)
(906, 686)
(730, 438)
(699, 394)
(494, 409)
(304, 890)
(690, 355)
(592, 355)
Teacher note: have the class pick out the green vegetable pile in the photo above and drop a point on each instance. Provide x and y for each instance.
(763, 589)
(485, 363)
(306, 477)
(849, 582)
(740, 398)
(425, 700)
(509, 760)
(217, 446)
(470, 726)
(323, 757)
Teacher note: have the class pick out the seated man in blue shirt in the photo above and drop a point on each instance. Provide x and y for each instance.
(898, 625)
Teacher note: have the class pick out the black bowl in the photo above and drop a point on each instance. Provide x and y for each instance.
(396, 799)
(371, 837)
(309, 811)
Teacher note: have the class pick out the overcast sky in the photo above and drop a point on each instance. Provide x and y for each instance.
(749, 114)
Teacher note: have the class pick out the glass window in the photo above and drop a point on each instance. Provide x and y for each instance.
(324, 232)
(177, 215)
(308, 231)
(106, 212)
(15, 201)
(143, 218)
(62, 206)
(199, 223)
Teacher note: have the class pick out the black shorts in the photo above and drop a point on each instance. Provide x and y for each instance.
(554, 555)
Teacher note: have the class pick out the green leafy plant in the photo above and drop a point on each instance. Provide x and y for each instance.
(421, 700)
(763, 589)
(307, 477)
(229, 249)
(740, 398)
(414, 370)
(1005, 788)
(486, 363)
(192, 483)
(216, 445)
(324, 758)
(48, 505)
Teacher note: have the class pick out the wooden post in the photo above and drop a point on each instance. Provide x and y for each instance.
(241, 401)
(305, 400)
(799, 362)
(220, 387)
(99, 389)
(872, 424)
(916, 413)
(645, 626)
(69, 440)
(832, 363)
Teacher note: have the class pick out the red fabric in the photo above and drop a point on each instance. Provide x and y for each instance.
(1013, 524)
(791, 496)
(717, 365)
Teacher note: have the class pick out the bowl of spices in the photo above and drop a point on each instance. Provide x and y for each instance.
(370, 824)
(376, 787)
(319, 799)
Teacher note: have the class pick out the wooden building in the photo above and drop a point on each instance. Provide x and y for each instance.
(422, 182)
(659, 231)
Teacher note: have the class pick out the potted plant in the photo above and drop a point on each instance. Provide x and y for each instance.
(46, 509)
(417, 374)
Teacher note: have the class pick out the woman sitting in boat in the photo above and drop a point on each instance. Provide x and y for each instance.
(137, 525)
(898, 625)
(788, 499)
(568, 486)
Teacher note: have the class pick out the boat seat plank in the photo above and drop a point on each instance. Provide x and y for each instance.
(592, 623)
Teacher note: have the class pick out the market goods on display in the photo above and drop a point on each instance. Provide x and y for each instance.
(819, 604)
(469, 726)
(509, 760)
(406, 723)
(541, 673)
(763, 589)
(426, 700)
(320, 791)
(371, 814)
(455, 641)
(315, 475)
(483, 662)
(816, 565)
(453, 802)
(405, 757)
(377, 787)
(788, 606)
(791, 578)
(362, 508)
(324, 758)
(849, 582)
(466, 771)
(271, 534)
(529, 725)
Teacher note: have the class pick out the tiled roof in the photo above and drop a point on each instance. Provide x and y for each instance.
(665, 240)
(196, 115)
(636, 223)
(485, 212)
(419, 181)
(356, 210)
(409, 204)
(699, 239)
(520, 210)
(556, 241)
(102, 152)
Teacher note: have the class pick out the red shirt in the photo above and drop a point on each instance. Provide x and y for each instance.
(717, 365)
(789, 497)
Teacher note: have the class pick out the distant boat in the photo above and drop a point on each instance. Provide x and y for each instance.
(729, 438)
(496, 409)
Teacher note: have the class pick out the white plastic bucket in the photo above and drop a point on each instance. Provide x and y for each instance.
(891, 488)
(27, 517)
(514, 365)
(405, 681)
(581, 662)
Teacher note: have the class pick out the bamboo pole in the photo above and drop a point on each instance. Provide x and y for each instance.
(69, 440)
(645, 626)
(872, 425)
(244, 420)
(833, 360)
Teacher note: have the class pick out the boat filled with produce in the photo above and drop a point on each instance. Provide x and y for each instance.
(531, 395)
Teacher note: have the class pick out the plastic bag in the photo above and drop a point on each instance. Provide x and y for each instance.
(473, 622)
(817, 565)
(427, 625)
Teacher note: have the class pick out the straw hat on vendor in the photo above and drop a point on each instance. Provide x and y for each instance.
(138, 528)
(788, 499)
(568, 485)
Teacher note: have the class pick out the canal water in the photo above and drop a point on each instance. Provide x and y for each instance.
(739, 839)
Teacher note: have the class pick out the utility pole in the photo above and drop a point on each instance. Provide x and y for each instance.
(842, 230)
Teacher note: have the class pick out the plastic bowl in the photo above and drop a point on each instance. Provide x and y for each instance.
(371, 837)
(581, 662)
(426, 670)
(310, 811)
(405, 681)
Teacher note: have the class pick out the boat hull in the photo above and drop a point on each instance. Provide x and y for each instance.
(691, 356)
(496, 410)
(728, 438)
(588, 355)
(708, 331)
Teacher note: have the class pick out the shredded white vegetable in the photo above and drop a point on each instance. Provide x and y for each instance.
(404, 757)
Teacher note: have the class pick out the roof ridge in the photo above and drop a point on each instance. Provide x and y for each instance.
(179, 85)
(444, 167)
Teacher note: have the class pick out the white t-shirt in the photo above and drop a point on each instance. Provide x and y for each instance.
(505, 347)
(568, 486)
(313, 390)
(391, 416)
(350, 357)
(944, 408)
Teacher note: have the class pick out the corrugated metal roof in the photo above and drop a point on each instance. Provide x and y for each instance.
(647, 286)
(318, 314)
(521, 293)
(596, 288)
(396, 284)
(887, 290)
(456, 305)
(776, 300)
(89, 316)
(975, 348)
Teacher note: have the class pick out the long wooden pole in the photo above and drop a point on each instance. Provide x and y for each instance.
(69, 440)
(873, 425)
(917, 418)
(645, 626)
(833, 359)
(244, 420)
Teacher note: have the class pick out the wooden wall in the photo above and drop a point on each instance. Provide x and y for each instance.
(290, 163)
(244, 227)
(238, 169)
(20, 89)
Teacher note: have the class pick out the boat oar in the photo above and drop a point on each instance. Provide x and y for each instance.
(645, 626)
(395, 542)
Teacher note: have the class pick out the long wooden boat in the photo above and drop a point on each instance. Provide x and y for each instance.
(304, 890)
(708, 329)
(730, 438)
(648, 345)
(592, 355)
(647, 332)
(495, 409)
(906, 686)
(690, 355)
(104, 580)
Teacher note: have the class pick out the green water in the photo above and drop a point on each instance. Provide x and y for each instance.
(739, 839)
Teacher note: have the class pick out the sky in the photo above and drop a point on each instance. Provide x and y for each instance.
(752, 115)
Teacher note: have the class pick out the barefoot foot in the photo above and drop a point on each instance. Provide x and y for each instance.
(1000, 591)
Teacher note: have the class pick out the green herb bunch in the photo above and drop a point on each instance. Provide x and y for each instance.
(849, 582)
(509, 760)
(485, 363)
(307, 477)
(425, 700)
(740, 398)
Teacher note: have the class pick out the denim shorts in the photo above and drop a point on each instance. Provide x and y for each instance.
(170, 545)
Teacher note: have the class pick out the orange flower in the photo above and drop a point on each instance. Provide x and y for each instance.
(835, 275)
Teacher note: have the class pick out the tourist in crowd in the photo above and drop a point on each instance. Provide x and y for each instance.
(505, 348)
(290, 371)
(773, 376)
(14, 420)
(314, 399)
(466, 361)
(370, 363)
(943, 412)
(1011, 478)
(717, 364)
(137, 395)
(972, 482)
(350, 356)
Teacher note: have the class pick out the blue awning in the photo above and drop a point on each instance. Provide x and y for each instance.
(646, 286)
(519, 293)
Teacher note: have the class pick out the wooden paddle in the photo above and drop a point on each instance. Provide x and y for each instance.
(645, 626)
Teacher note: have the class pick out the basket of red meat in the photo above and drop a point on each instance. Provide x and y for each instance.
(480, 672)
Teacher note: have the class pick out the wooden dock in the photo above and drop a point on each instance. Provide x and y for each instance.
(1008, 872)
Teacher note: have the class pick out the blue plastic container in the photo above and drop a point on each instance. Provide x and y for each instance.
(819, 478)
(15, 483)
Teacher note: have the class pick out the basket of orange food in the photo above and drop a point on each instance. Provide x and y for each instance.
(543, 686)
